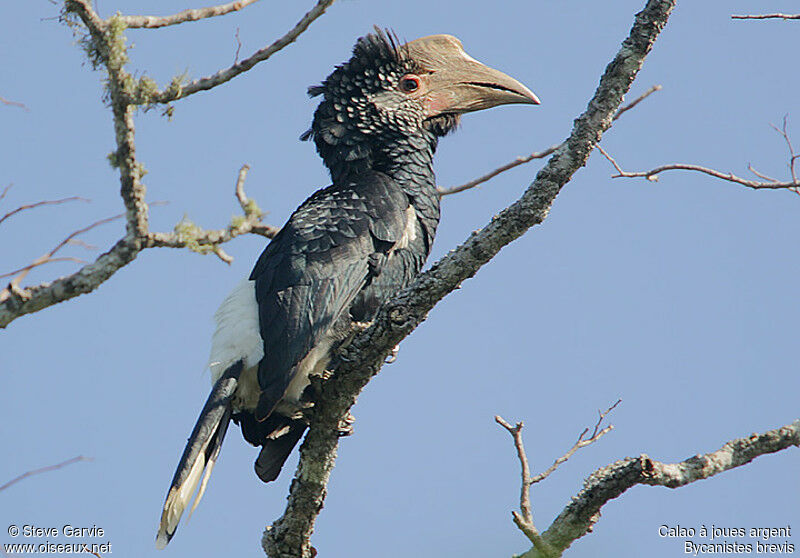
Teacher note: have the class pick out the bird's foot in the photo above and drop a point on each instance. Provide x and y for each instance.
(346, 425)
(392, 356)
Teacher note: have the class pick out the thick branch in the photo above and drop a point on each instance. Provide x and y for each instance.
(612, 481)
(363, 358)
(150, 22)
(203, 84)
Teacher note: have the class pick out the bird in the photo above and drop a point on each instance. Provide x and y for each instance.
(345, 250)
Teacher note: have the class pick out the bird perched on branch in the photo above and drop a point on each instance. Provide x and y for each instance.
(343, 252)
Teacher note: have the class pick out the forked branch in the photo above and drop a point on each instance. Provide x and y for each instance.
(766, 182)
(524, 518)
(610, 482)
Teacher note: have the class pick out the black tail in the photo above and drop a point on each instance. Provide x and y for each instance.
(200, 454)
(277, 435)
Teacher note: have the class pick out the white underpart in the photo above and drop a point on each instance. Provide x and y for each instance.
(237, 335)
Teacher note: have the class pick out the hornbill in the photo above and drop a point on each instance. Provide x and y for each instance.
(343, 252)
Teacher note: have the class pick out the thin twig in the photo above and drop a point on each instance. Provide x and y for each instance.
(5, 191)
(580, 443)
(761, 174)
(38, 263)
(44, 470)
(39, 204)
(240, 195)
(524, 497)
(636, 101)
(792, 155)
(503, 168)
(21, 273)
(524, 520)
(152, 22)
(238, 47)
(536, 154)
(228, 74)
(652, 175)
(767, 16)
(14, 104)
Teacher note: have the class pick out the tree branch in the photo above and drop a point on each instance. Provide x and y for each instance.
(105, 46)
(502, 168)
(189, 235)
(179, 91)
(612, 481)
(39, 204)
(364, 356)
(581, 442)
(152, 22)
(536, 154)
(17, 104)
(767, 183)
(637, 100)
(524, 520)
(767, 16)
(13, 289)
(47, 469)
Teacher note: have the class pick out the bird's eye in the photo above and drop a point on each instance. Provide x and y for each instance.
(409, 83)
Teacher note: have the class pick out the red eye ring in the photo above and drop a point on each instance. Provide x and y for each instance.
(408, 83)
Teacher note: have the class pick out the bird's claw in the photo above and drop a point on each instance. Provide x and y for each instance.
(392, 356)
(346, 425)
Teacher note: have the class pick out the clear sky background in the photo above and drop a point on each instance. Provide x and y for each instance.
(680, 296)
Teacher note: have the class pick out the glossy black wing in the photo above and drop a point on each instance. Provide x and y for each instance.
(315, 267)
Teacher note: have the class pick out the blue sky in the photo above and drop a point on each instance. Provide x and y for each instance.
(678, 297)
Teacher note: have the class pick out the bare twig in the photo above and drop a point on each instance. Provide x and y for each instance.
(516, 434)
(39, 262)
(524, 520)
(536, 154)
(502, 168)
(49, 468)
(581, 442)
(151, 22)
(792, 155)
(228, 74)
(238, 47)
(5, 191)
(636, 101)
(362, 358)
(767, 16)
(14, 104)
(49, 257)
(652, 175)
(39, 204)
(605, 484)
